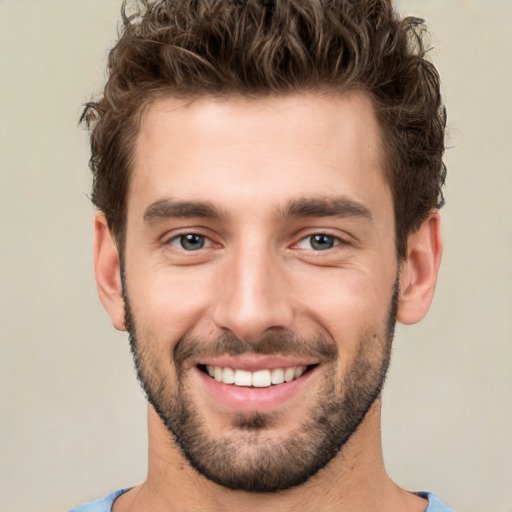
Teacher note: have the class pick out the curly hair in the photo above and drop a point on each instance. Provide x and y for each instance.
(190, 48)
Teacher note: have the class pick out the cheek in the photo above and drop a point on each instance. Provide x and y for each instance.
(168, 302)
(353, 308)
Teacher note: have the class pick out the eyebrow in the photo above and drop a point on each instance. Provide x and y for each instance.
(168, 209)
(325, 207)
(302, 207)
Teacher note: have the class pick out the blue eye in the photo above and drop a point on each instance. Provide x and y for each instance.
(190, 242)
(318, 242)
(322, 242)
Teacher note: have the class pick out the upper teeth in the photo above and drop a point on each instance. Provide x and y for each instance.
(258, 379)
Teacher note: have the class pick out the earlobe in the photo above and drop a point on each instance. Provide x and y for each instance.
(107, 270)
(418, 274)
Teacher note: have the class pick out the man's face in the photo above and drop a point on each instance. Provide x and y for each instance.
(260, 249)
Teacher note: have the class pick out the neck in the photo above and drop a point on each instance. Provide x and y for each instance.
(355, 481)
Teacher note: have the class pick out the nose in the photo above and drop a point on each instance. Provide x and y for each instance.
(253, 295)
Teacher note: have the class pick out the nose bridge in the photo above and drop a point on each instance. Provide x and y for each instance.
(253, 294)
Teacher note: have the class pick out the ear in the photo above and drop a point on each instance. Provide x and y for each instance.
(418, 273)
(107, 270)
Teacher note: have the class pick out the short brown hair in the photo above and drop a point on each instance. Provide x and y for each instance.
(189, 48)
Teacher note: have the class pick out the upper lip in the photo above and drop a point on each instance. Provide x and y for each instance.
(255, 362)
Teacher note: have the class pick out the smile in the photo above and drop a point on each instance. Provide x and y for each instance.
(257, 379)
(250, 382)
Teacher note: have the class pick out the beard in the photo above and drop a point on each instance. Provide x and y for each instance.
(250, 456)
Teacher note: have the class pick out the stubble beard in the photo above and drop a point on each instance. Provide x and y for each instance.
(249, 458)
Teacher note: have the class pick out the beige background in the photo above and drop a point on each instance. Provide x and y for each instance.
(72, 418)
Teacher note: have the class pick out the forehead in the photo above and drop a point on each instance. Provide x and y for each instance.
(271, 149)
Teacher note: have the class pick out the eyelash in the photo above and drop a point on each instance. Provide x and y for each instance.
(179, 241)
(181, 238)
(310, 239)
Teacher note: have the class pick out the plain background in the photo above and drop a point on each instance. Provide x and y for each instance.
(72, 417)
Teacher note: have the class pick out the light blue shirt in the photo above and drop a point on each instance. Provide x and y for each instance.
(105, 504)
(434, 503)
(102, 505)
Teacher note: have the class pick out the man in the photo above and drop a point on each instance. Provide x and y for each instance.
(268, 176)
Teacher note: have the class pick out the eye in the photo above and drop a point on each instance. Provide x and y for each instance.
(190, 242)
(319, 242)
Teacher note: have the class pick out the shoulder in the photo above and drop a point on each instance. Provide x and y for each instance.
(434, 503)
(102, 505)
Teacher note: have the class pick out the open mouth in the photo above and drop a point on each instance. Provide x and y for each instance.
(257, 379)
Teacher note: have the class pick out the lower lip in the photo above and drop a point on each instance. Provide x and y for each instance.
(249, 399)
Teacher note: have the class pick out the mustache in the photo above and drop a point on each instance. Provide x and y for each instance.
(282, 344)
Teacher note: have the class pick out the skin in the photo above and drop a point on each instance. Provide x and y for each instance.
(258, 273)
